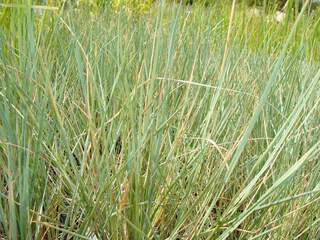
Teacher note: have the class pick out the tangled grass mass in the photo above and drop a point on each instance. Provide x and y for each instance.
(176, 123)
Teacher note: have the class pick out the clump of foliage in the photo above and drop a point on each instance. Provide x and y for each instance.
(176, 124)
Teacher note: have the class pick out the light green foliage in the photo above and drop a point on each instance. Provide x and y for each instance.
(152, 126)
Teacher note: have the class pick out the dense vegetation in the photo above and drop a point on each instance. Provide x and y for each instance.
(171, 123)
(146, 4)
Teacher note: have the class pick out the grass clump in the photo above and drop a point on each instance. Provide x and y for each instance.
(167, 125)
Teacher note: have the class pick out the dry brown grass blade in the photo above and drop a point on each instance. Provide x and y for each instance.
(123, 203)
